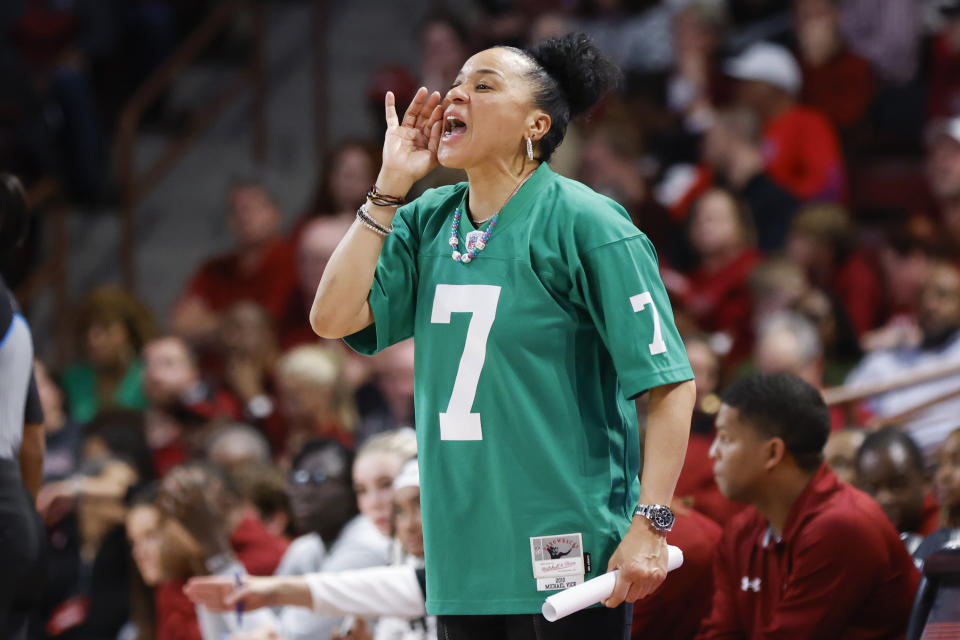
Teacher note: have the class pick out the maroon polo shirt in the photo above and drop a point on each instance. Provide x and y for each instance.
(839, 571)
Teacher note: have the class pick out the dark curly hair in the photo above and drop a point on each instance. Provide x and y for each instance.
(570, 75)
(781, 405)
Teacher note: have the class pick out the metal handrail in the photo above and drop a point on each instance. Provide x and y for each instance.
(134, 187)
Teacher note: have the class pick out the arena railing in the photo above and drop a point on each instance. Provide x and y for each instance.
(848, 395)
(134, 186)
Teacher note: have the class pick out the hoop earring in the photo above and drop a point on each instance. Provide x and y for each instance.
(529, 148)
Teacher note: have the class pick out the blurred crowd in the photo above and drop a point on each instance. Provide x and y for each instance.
(795, 162)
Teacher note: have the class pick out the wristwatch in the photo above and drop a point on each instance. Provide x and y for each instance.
(659, 515)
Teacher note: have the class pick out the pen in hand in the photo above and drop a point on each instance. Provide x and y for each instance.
(239, 605)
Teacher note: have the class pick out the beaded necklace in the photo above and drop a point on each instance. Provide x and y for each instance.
(476, 240)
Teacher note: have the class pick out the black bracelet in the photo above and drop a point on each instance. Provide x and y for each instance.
(382, 199)
(368, 221)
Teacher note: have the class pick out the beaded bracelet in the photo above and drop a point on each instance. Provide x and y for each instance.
(382, 199)
(368, 221)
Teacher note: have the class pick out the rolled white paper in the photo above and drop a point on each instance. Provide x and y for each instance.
(595, 590)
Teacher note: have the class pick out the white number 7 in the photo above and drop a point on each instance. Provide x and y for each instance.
(639, 302)
(480, 300)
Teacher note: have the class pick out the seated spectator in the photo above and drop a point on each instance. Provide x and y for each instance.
(836, 81)
(112, 327)
(333, 536)
(733, 150)
(259, 269)
(178, 399)
(317, 240)
(348, 171)
(821, 242)
(63, 434)
(918, 407)
(802, 153)
(679, 605)
(946, 488)
(715, 294)
(696, 487)
(811, 557)
(205, 502)
(905, 260)
(172, 382)
(313, 397)
(86, 591)
(943, 175)
(444, 45)
(237, 444)
(943, 94)
(378, 462)
(113, 457)
(165, 555)
(249, 352)
(840, 452)
(890, 468)
(397, 593)
(610, 160)
(387, 401)
(264, 487)
(696, 83)
(787, 342)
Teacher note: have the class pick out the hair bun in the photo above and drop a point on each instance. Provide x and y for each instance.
(583, 72)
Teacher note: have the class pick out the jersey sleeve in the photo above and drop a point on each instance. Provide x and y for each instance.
(393, 294)
(621, 289)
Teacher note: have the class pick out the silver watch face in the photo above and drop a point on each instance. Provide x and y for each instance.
(662, 518)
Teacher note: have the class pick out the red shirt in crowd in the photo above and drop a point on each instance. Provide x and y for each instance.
(841, 88)
(803, 155)
(697, 486)
(943, 99)
(720, 301)
(258, 550)
(839, 571)
(221, 283)
(857, 285)
(930, 518)
(176, 616)
(674, 611)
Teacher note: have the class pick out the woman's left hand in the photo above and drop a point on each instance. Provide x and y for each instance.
(641, 558)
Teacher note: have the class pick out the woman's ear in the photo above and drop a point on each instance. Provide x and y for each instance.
(539, 125)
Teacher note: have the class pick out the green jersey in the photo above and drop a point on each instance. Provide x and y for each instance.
(526, 360)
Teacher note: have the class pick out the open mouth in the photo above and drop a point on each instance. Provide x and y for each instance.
(453, 127)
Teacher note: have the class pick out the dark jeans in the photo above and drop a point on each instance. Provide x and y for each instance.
(590, 624)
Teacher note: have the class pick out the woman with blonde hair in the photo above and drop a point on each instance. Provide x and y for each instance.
(314, 397)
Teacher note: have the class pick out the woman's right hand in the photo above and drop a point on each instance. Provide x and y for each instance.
(410, 146)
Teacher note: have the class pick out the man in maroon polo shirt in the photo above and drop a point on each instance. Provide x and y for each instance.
(812, 557)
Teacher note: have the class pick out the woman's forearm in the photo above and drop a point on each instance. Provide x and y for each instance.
(668, 429)
(340, 306)
(292, 591)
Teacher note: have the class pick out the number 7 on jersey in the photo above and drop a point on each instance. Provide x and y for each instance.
(639, 303)
(479, 300)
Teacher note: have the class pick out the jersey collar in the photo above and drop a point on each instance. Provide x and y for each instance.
(518, 203)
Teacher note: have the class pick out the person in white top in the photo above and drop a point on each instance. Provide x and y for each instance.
(394, 593)
(929, 409)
